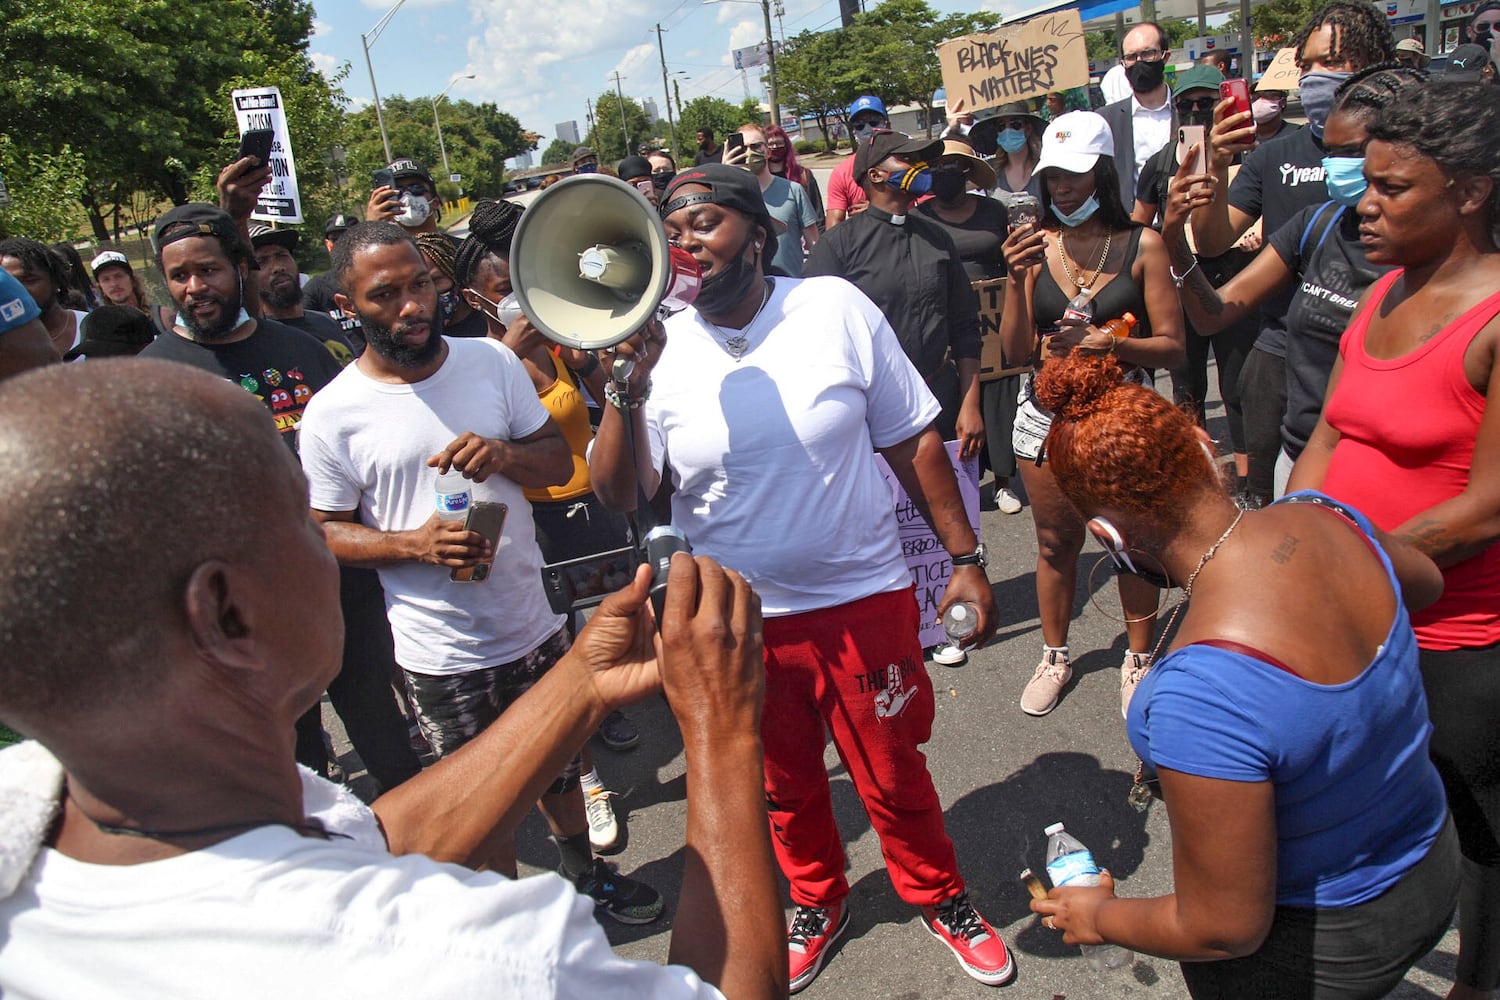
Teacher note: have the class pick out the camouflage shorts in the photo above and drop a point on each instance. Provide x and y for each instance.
(452, 709)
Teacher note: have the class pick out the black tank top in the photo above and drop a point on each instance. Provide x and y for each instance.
(1116, 297)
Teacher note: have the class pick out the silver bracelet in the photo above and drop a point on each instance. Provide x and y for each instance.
(620, 401)
(1178, 279)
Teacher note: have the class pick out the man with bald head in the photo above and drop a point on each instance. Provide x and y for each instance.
(156, 832)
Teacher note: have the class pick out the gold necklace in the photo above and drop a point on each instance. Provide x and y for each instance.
(1062, 252)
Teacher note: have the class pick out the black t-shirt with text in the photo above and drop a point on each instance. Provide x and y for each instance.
(1277, 180)
(317, 296)
(328, 333)
(281, 366)
(1321, 247)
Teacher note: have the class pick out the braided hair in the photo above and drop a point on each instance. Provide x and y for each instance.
(36, 257)
(1369, 91)
(439, 250)
(491, 228)
(1361, 33)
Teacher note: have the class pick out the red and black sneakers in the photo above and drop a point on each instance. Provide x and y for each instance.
(972, 940)
(814, 930)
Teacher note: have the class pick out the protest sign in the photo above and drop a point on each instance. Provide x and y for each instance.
(1283, 73)
(1038, 57)
(992, 360)
(261, 107)
(926, 559)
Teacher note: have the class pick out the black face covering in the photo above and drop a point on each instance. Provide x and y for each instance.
(1144, 76)
(948, 185)
(723, 290)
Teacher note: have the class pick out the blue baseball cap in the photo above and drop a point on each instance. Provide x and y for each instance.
(17, 307)
(868, 102)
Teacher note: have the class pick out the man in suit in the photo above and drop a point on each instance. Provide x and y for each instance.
(1141, 123)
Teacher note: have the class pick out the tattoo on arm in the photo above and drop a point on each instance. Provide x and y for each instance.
(1283, 553)
(1430, 537)
(1195, 282)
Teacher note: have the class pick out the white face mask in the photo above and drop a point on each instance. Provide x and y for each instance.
(415, 210)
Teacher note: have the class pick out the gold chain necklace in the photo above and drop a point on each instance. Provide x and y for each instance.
(1062, 252)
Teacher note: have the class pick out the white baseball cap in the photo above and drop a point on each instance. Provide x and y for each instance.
(109, 257)
(1074, 142)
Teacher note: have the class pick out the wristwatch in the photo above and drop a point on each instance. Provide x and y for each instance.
(979, 557)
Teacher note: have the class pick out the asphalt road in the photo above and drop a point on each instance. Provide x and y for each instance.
(1002, 777)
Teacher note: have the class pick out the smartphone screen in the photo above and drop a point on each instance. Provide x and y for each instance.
(1239, 90)
(582, 583)
(488, 519)
(1187, 137)
(257, 143)
(733, 141)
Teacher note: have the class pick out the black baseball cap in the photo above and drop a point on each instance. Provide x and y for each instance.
(112, 331)
(1466, 62)
(338, 223)
(408, 167)
(633, 168)
(886, 144)
(193, 219)
(262, 235)
(732, 187)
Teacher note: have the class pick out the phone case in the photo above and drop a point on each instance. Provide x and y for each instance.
(257, 143)
(1239, 90)
(489, 520)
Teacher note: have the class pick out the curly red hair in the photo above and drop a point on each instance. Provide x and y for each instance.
(1118, 445)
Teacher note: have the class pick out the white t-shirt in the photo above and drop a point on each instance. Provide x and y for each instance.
(270, 913)
(773, 455)
(365, 445)
(1151, 128)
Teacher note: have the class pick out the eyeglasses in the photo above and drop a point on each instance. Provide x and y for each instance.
(1196, 104)
(755, 145)
(1150, 55)
(776, 144)
(420, 190)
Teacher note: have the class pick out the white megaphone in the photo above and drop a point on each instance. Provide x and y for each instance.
(590, 263)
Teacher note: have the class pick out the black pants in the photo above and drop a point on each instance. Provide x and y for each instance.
(1230, 348)
(997, 404)
(1350, 953)
(1263, 399)
(361, 693)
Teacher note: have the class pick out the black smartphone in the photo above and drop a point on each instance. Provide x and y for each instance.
(382, 178)
(583, 583)
(733, 141)
(488, 519)
(257, 143)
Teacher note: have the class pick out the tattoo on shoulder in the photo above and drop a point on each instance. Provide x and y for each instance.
(1283, 553)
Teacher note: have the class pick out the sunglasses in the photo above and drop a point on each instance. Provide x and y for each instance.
(1114, 545)
(1199, 104)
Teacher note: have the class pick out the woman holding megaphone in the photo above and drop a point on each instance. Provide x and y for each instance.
(771, 396)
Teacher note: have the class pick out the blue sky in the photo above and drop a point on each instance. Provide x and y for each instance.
(540, 61)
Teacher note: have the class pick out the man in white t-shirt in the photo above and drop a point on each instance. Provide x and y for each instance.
(373, 442)
(157, 839)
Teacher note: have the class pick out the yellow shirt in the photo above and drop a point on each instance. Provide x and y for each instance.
(565, 404)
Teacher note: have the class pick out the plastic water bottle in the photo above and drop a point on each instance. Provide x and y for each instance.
(451, 492)
(960, 621)
(1070, 863)
(1082, 307)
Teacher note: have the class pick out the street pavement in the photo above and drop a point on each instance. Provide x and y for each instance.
(1002, 776)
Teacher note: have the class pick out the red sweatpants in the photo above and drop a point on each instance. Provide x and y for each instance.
(856, 669)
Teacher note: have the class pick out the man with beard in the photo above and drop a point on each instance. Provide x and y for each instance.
(709, 151)
(1142, 122)
(373, 446)
(281, 290)
(205, 263)
(318, 292)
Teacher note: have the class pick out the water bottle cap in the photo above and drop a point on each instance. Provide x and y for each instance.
(1054, 829)
(958, 612)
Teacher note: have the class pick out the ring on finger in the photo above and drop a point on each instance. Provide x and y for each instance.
(1050, 924)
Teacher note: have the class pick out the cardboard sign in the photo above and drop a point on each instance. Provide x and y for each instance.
(992, 360)
(1032, 59)
(1283, 73)
(926, 558)
(262, 107)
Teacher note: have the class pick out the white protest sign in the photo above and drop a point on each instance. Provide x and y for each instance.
(261, 107)
(1283, 73)
(926, 558)
(1032, 59)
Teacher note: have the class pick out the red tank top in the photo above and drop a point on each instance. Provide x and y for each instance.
(1407, 428)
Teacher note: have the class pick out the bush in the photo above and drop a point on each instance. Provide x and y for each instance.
(805, 147)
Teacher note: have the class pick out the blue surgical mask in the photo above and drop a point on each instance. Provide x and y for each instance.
(1345, 178)
(586, 168)
(448, 302)
(1012, 140)
(1079, 215)
(1317, 97)
(917, 180)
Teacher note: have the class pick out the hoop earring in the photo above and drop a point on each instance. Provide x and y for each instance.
(1121, 619)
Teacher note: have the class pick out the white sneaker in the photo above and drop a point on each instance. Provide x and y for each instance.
(1131, 672)
(949, 655)
(1045, 686)
(1007, 501)
(604, 829)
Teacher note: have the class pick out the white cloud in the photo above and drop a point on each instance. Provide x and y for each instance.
(321, 28)
(358, 103)
(745, 34)
(1007, 8)
(324, 63)
(640, 65)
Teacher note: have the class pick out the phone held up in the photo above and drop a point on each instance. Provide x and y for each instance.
(256, 143)
(1189, 136)
(487, 518)
(382, 178)
(732, 142)
(1237, 90)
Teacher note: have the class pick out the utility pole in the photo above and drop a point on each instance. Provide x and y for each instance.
(765, 10)
(624, 125)
(589, 104)
(666, 93)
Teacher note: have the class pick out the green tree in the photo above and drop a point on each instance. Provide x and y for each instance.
(750, 113)
(606, 138)
(707, 112)
(558, 151)
(1276, 22)
(45, 192)
(898, 42)
(818, 77)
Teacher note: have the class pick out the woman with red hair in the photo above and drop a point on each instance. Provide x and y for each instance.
(782, 158)
(1312, 852)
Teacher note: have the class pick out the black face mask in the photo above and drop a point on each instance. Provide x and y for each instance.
(661, 180)
(948, 185)
(723, 290)
(1144, 76)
